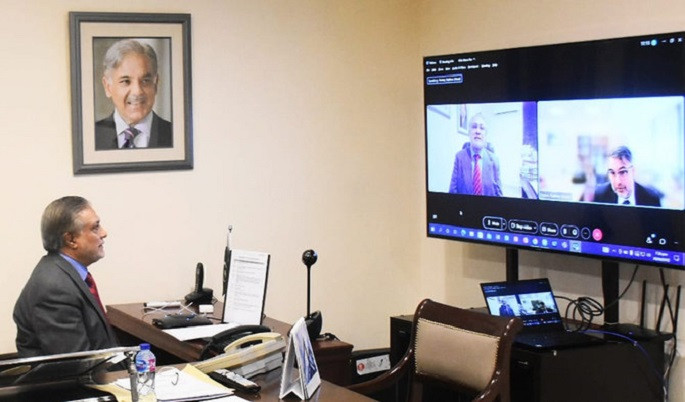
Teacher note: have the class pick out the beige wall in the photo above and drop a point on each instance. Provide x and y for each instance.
(307, 133)
(308, 125)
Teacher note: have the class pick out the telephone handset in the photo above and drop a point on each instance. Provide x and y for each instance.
(240, 336)
(253, 339)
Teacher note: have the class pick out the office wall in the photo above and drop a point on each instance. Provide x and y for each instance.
(307, 134)
(452, 271)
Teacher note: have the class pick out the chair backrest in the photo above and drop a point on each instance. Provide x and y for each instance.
(462, 350)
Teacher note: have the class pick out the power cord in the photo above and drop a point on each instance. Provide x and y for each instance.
(584, 309)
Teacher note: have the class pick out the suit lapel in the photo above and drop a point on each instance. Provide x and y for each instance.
(71, 272)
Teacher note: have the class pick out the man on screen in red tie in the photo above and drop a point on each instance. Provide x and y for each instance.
(59, 310)
(476, 167)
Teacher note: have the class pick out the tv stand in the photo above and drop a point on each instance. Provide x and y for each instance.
(512, 264)
(610, 291)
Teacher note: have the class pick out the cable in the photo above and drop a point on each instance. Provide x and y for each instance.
(583, 310)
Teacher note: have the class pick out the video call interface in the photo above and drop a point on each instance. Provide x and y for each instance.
(530, 300)
(583, 147)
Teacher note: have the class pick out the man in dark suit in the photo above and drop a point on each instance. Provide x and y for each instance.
(130, 80)
(505, 309)
(476, 168)
(59, 309)
(106, 136)
(622, 188)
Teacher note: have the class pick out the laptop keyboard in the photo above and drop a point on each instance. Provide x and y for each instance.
(556, 339)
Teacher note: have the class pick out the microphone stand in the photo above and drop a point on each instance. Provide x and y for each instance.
(309, 287)
(313, 320)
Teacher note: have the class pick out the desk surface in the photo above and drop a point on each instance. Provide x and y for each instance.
(270, 383)
(131, 318)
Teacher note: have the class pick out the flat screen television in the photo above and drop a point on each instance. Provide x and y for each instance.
(565, 135)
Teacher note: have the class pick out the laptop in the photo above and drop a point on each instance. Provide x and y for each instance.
(533, 301)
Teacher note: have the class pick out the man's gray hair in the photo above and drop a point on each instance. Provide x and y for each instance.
(116, 53)
(60, 217)
(622, 153)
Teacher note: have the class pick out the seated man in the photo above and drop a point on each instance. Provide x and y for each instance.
(59, 310)
(476, 168)
(622, 188)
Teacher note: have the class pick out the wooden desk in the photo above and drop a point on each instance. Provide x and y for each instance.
(270, 383)
(133, 326)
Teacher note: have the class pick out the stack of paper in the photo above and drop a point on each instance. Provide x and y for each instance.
(188, 384)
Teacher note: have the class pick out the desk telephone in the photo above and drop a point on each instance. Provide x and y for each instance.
(235, 338)
(249, 349)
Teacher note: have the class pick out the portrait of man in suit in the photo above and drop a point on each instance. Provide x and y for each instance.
(130, 80)
(622, 188)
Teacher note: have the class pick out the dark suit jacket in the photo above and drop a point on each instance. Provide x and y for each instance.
(106, 133)
(643, 195)
(56, 313)
(462, 173)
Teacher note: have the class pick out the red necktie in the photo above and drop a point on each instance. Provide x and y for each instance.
(477, 179)
(94, 290)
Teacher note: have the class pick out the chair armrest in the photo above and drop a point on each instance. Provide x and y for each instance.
(494, 390)
(385, 380)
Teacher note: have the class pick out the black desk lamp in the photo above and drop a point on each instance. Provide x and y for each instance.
(313, 320)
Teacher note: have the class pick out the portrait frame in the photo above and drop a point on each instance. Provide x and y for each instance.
(91, 33)
(463, 116)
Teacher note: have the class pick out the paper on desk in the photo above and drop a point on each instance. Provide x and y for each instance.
(246, 286)
(198, 331)
(189, 384)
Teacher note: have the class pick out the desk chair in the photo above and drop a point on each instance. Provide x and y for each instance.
(453, 349)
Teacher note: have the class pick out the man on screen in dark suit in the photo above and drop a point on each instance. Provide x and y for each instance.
(505, 309)
(476, 167)
(59, 309)
(130, 80)
(622, 188)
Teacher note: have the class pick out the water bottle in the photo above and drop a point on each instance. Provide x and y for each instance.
(145, 366)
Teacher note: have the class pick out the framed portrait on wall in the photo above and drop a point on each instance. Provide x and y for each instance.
(130, 92)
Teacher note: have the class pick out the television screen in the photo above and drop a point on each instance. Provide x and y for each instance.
(573, 148)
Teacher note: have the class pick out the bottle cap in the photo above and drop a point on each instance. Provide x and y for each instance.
(144, 346)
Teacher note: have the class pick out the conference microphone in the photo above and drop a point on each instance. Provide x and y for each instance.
(313, 320)
(309, 258)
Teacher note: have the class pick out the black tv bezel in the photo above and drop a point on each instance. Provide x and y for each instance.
(537, 88)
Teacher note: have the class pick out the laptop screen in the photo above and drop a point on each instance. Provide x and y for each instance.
(532, 300)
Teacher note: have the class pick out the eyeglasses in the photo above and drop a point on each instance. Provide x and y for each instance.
(622, 172)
